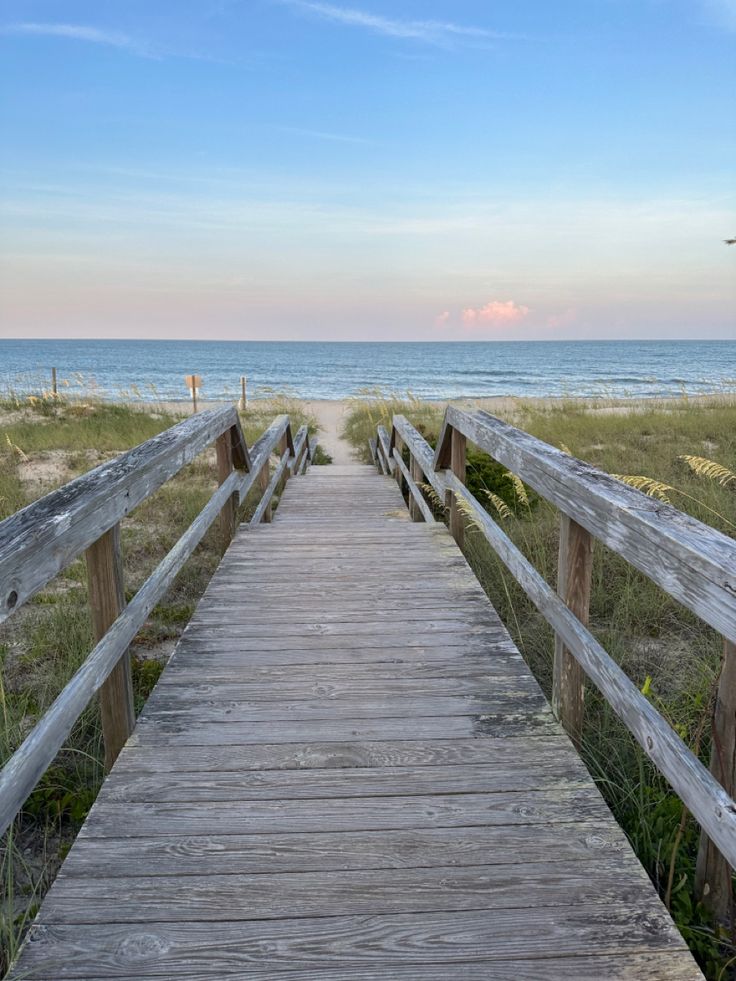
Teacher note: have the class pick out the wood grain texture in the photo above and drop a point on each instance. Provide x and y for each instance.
(347, 772)
(106, 602)
(574, 576)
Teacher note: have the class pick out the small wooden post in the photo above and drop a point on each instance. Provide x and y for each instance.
(243, 404)
(399, 446)
(713, 874)
(54, 389)
(458, 447)
(194, 382)
(574, 576)
(264, 478)
(228, 515)
(107, 600)
(417, 474)
(284, 448)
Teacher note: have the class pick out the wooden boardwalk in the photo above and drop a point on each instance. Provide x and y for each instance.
(348, 772)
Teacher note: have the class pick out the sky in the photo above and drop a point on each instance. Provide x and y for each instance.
(375, 170)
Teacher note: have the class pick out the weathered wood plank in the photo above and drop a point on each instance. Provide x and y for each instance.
(344, 814)
(659, 965)
(191, 897)
(192, 733)
(221, 854)
(190, 786)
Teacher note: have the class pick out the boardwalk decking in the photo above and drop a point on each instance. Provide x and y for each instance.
(348, 772)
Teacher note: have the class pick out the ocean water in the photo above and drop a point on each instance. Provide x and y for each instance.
(155, 370)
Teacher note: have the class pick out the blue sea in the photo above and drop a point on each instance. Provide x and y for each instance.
(155, 370)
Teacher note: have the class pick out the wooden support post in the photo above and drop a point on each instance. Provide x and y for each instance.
(284, 448)
(417, 474)
(458, 446)
(399, 444)
(194, 398)
(574, 575)
(243, 404)
(54, 389)
(229, 513)
(713, 874)
(264, 478)
(107, 600)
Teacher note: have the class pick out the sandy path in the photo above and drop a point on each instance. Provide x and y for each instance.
(330, 416)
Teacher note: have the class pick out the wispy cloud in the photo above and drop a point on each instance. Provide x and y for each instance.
(81, 32)
(428, 31)
(723, 11)
(318, 134)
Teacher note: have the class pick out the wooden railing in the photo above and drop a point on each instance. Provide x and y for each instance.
(691, 561)
(84, 517)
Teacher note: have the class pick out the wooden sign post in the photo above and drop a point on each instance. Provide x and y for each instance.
(54, 390)
(243, 404)
(194, 383)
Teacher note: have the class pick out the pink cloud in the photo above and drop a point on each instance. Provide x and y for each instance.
(441, 319)
(496, 313)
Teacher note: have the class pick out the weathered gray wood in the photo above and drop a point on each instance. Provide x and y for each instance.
(21, 773)
(190, 897)
(654, 965)
(301, 447)
(714, 875)
(457, 466)
(42, 539)
(712, 807)
(693, 562)
(266, 819)
(221, 854)
(264, 504)
(384, 444)
(416, 496)
(574, 574)
(224, 450)
(107, 601)
(352, 752)
(225, 785)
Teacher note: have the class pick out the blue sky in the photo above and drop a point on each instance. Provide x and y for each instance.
(290, 169)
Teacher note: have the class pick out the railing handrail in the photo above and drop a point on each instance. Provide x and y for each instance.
(557, 477)
(693, 562)
(98, 501)
(39, 541)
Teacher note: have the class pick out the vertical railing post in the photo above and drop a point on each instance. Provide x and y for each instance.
(263, 480)
(417, 475)
(106, 601)
(399, 445)
(574, 577)
(458, 465)
(284, 448)
(713, 874)
(228, 515)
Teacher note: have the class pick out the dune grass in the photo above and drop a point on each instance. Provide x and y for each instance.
(670, 654)
(47, 640)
